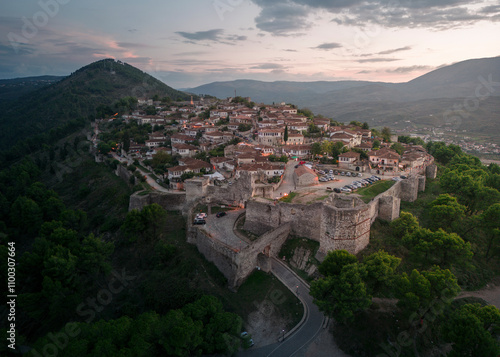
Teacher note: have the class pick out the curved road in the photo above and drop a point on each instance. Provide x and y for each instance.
(298, 341)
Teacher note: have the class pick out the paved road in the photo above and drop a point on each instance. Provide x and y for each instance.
(222, 228)
(297, 343)
(287, 184)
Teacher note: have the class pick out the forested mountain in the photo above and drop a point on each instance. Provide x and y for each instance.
(91, 91)
(11, 89)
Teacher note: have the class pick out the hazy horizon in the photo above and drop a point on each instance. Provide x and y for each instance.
(187, 44)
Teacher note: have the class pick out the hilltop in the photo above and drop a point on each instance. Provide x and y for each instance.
(90, 91)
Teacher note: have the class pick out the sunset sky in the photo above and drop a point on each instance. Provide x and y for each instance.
(192, 42)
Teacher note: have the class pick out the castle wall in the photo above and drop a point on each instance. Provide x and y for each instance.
(123, 173)
(409, 189)
(234, 264)
(345, 228)
(261, 217)
(431, 171)
(169, 201)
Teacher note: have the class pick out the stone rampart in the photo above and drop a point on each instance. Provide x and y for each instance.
(169, 201)
(123, 173)
(236, 264)
(339, 222)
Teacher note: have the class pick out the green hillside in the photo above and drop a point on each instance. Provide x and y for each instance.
(89, 92)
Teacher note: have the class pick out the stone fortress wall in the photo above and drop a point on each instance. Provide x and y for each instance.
(338, 222)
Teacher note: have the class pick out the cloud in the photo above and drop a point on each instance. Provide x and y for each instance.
(273, 66)
(282, 18)
(290, 50)
(409, 69)
(327, 46)
(373, 60)
(215, 35)
(133, 45)
(434, 14)
(210, 35)
(388, 52)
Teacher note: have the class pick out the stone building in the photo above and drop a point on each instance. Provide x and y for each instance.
(304, 176)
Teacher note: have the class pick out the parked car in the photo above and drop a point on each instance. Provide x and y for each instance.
(348, 174)
(403, 177)
(199, 221)
(342, 173)
(336, 172)
(360, 174)
(336, 189)
(331, 172)
(220, 214)
(345, 190)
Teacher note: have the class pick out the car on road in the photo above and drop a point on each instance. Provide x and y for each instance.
(220, 214)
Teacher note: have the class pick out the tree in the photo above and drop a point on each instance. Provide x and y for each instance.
(155, 218)
(386, 134)
(470, 329)
(244, 127)
(376, 145)
(490, 224)
(103, 147)
(26, 215)
(179, 335)
(285, 136)
(316, 149)
(438, 247)
(365, 126)
(161, 158)
(334, 261)
(342, 296)
(398, 147)
(446, 213)
(405, 224)
(426, 292)
(126, 141)
(381, 271)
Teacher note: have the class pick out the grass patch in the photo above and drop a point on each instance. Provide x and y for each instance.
(369, 192)
(319, 199)
(214, 209)
(288, 198)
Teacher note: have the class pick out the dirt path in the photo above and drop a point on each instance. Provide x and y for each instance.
(490, 294)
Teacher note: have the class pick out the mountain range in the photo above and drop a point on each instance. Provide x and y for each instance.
(462, 96)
